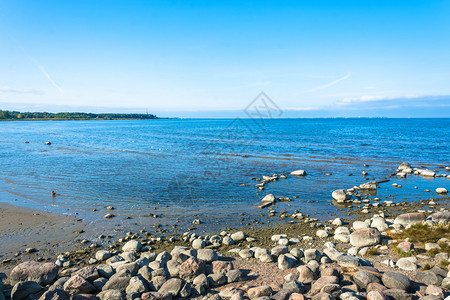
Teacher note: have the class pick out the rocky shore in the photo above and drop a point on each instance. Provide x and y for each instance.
(386, 251)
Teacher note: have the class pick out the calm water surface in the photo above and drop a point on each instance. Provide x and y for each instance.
(190, 168)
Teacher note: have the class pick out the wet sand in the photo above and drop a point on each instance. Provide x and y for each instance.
(22, 228)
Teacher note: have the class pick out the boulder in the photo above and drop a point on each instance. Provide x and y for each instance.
(259, 291)
(55, 294)
(321, 282)
(102, 255)
(172, 286)
(286, 261)
(238, 236)
(429, 278)
(23, 289)
(369, 185)
(341, 195)
(441, 190)
(133, 245)
(42, 273)
(363, 279)
(191, 268)
(393, 280)
(298, 173)
(365, 237)
(305, 274)
(79, 285)
(207, 255)
(270, 198)
(410, 218)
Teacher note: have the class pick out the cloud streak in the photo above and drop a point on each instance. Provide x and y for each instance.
(325, 86)
(45, 73)
(5, 89)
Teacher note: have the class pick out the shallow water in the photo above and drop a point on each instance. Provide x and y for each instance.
(190, 168)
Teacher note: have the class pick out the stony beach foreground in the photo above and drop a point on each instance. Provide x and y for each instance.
(388, 251)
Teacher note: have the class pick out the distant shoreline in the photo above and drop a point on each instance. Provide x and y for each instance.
(123, 119)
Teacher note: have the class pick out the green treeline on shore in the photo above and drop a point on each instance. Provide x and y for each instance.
(15, 115)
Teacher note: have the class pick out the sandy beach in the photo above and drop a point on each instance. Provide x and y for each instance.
(22, 228)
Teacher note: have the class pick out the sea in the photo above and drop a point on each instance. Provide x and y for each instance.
(185, 169)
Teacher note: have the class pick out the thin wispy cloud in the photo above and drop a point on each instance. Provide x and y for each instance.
(321, 87)
(372, 98)
(45, 73)
(6, 89)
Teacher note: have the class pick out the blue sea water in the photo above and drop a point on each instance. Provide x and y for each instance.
(186, 168)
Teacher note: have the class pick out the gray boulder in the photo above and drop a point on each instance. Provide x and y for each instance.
(365, 237)
(33, 271)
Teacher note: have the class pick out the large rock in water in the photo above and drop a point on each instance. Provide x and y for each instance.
(370, 185)
(427, 173)
(298, 173)
(410, 218)
(341, 195)
(441, 191)
(34, 271)
(270, 198)
(365, 237)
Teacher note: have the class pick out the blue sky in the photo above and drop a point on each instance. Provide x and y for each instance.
(194, 58)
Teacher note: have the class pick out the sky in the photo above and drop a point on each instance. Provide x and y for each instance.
(212, 58)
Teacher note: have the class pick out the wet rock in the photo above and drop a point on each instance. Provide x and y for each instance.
(298, 173)
(394, 280)
(78, 285)
(427, 173)
(441, 191)
(365, 237)
(23, 289)
(43, 274)
(341, 195)
(370, 185)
